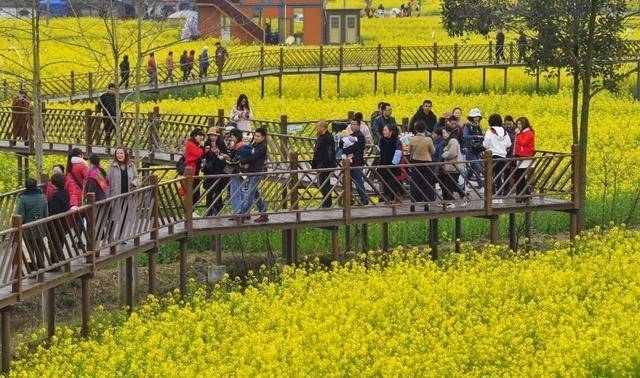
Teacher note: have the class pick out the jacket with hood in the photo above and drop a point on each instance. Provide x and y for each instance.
(75, 180)
(497, 141)
(430, 120)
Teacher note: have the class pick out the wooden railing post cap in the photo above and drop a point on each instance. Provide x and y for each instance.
(488, 154)
(16, 220)
(346, 163)
(188, 171)
(153, 180)
(156, 109)
(293, 156)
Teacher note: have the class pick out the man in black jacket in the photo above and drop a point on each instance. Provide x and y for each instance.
(425, 115)
(357, 160)
(254, 163)
(124, 71)
(385, 119)
(107, 103)
(499, 45)
(324, 156)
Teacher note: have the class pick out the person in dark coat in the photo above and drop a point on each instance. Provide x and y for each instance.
(58, 203)
(425, 115)
(390, 154)
(32, 206)
(124, 71)
(254, 163)
(324, 156)
(20, 116)
(215, 156)
(356, 150)
(522, 46)
(499, 45)
(385, 119)
(107, 104)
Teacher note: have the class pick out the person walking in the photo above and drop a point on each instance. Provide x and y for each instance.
(58, 168)
(122, 174)
(203, 61)
(191, 73)
(221, 55)
(124, 71)
(385, 119)
(169, 65)
(390, 154)
(364, 129)
(452, 167)
(523, 44)
(499, 45)
(76, 176)
(324, 156)
(32, 206)
(236, 194)
(215, 156)
(20, 116)
(58, 203)
(107, 105)
(356, 151)
(242, 114)
(496, 140)
(152, 69)
(425, 115)
(184, 65)
(473, 136)
(193, 154)
(254, 163)
(421, 149)
(97, 180)
(524, 148)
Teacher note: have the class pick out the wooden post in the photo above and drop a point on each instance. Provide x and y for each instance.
(91, 228)
(494, 231)
(350, 114)
(89, 131)
(284, 130)
(379, 56)
(19, 159)
(450, 81)
(365, 237)
(188, 200)
(16, 222)
(51, 312)
(638, 81)
(129, 283)
(91, 86)
(335, 243)
(338, 84)
(504, 84)
(575, 176)
(488, 185)
(433, 238)
(484, 79)
(537, 80)
(455, 55)
(457, 234)
(430, 79)
(510, 53)
(528, 230)
(346, 193)
(220, 118)
(347, 238)
(385, 237)
(281, 72)
(153, 252)
(261, 86)
(341, 62)
(375, 82)
(435, 54)
(5, 90)
(183, 267)
(292, 257)
(395, 82)
(217, 247)
(558, 83)
(73, 84)
(491, 53)
(6, 338)
(85, 305)
(513, 232)
(573, 225)
(320, 73)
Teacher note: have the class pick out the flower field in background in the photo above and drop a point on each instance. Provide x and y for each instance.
(564, 312)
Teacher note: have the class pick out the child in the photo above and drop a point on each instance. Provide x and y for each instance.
(347, 141)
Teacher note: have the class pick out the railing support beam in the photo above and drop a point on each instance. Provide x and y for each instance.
(6, 338)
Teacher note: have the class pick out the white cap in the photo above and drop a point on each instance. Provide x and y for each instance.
(475, 112)
(206, 48)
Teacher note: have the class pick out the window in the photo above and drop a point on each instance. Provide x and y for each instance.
(351, 22)
(335, 22)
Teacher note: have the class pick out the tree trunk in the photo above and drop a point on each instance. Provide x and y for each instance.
(582, 163)
(575, 107)
(38, 122)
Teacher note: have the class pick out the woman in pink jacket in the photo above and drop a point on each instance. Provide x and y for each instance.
(77, 173)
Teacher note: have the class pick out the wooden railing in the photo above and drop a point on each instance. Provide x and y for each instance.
(279, 61)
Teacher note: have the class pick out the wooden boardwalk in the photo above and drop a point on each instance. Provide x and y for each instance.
(279, 62)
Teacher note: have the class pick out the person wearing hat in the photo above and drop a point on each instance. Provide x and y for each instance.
(193, 153)
(20, 116)
(215, 157)
(203, 60)
(473, 136)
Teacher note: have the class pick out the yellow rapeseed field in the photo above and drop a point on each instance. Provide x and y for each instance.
(564, 312)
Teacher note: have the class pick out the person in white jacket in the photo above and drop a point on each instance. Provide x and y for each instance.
(242, 114)
(497, 140)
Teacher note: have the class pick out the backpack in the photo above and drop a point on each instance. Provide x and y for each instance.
(180, 165)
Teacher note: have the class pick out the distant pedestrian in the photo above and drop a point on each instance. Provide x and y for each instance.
(190, 64)
(522, 47)
(97, 180)
(124, 71)
(421, 149)
(472, 137)
(203, 60)
(76, 175)
(152, 69)
(32, 206)
(169, 65)
(496, 140)
(254, 163)
(20, 116)
(107, 104)
(58, 203)
(524, 148)
(390, 155)
(452, 168)
(324, 156)
(184, 65)
(356, 150)
(193, 153)
(221, 55)
(215, 156)
(499, 45)
(241, 113)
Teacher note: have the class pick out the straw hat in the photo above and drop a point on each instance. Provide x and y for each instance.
(213, 130)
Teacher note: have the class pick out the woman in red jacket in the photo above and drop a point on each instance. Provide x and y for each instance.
(525, 146)
(77, 173)
(193, 154)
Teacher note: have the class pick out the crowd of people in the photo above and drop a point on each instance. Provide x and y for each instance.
(186, 65)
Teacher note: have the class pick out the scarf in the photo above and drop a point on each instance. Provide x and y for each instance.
(102, 180)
